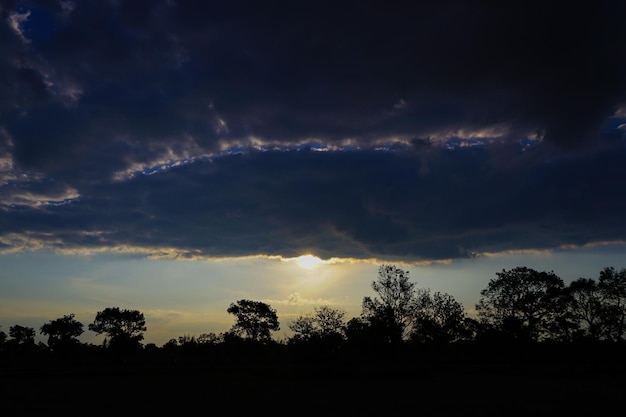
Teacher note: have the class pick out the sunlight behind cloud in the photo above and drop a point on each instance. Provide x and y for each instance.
(308, 261)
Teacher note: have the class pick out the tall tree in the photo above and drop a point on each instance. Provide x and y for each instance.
(62, 332)
(254, 319)
(392, 311)
(124, 327)
(522, 303)
(586, 308)
(612, 285)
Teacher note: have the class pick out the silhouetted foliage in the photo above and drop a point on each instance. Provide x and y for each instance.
(330, 320)
(255, 320)
(586, 309)
(190, 346)
(124, 327)
(391, 312)
(187, 340)
(171, 344)
(321, 333)
(325, 322)
(358, 332)
(612, 286)
(522, 303)
(439, 318)
(22, 338)
(210, 338)
(62, 333)
(525, 318)
(304, 328)
(3, 339)
(375, 335)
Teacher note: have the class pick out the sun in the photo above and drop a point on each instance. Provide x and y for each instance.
(308, 261)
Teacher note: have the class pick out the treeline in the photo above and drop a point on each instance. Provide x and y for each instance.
(519, 307)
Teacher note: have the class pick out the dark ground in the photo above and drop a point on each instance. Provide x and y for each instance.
(350, 388)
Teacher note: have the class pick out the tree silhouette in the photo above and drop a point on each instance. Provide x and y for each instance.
(586, 309)
(62, 332)
(439, 318)
(519, 305)
(124, 327)
(392, 311)
(320, 333)
(325, 322)
(254, 320)
(612, 285)
(330, 320)
(22, 338)
(522, 303)
(304, 328)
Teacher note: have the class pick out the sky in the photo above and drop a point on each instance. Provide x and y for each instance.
(177, 156)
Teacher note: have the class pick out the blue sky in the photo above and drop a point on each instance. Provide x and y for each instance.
(169, 156)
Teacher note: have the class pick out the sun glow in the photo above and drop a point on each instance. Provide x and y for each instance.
(308, 261)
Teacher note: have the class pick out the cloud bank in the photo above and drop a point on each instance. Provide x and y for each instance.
(354, 130)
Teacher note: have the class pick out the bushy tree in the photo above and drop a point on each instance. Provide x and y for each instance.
(124, 327)
(255, 320)
(22, 338)
(522, 303)
(62, 332)
(438, 318)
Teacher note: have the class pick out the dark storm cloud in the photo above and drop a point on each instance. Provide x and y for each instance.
(291, 203)
(94, 92)
(152, 73)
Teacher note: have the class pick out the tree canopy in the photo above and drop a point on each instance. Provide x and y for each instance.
(62, 332)
(392, 309)
(22, 337)
(522, 302)
(438, 318)
(255, 320)
(124, 327)
(325, 322)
